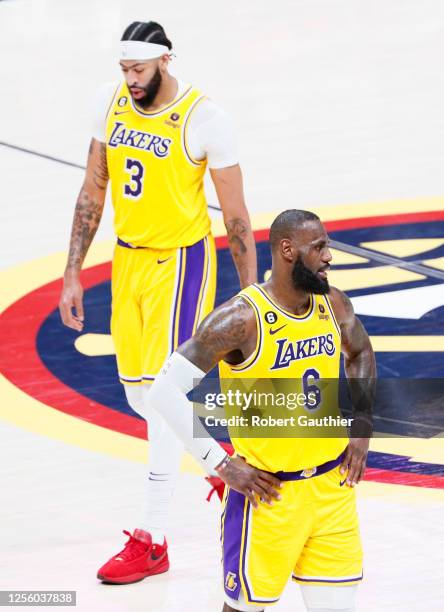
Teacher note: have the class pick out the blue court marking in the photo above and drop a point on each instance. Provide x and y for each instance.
(400, 463)
(96, 377)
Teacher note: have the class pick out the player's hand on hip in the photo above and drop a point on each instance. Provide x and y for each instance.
(355, 460)
(71, 304)
(250, 481)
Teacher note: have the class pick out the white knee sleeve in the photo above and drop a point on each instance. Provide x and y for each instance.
(165, 447)
(164, 455)
(134, 397)
(329, 598)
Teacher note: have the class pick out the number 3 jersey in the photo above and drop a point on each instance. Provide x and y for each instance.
(156, 186)
(296, 358)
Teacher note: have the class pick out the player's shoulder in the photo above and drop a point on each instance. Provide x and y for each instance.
(100, 105)
(208, 110)
(236, 307)
(341, 304)
(235, 316)
(212, 107)
(103, 97)
(107, 90)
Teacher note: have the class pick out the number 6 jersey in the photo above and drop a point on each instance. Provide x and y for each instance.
(296, 356)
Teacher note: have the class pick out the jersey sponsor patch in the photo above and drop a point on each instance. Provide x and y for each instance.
(322, 315)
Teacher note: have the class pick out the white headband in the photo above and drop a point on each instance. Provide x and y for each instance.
(138, 50)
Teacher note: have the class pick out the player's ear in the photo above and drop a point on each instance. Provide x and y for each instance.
(287, 250)
(164, 60)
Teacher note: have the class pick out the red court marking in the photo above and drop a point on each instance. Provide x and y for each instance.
(388, 476)
(355, 223)
(404, 478)
(21, 364)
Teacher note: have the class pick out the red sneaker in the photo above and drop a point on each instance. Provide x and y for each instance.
(140, 558)
(218, 486)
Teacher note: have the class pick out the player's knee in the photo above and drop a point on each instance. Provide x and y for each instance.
(134, 397)
(329, 598)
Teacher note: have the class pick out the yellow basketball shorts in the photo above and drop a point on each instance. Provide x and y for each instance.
(311, 534)
(159, 297)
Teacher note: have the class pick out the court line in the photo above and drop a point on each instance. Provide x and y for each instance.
(348, 248)
(388, 259)
(44, 155)
(34, 415)
(403, 422)
(59, 160)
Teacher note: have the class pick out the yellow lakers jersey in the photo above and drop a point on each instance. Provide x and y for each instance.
(305, 351)
(156, 186)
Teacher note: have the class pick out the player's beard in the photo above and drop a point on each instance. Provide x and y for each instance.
(151, 90)
(304, 278)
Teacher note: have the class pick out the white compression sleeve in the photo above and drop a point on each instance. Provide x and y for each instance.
(168, 396)
(164, 455)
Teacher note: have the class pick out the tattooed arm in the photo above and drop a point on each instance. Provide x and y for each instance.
(87, 215)
(360, 369)
(229, 332)
(229, 188)
(355, 343)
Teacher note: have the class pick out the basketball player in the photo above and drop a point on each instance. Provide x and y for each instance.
(154, 136)
(290, 325)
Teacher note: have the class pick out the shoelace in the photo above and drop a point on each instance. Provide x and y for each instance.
(133, 548)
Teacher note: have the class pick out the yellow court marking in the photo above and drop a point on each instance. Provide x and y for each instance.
(32, 415)
(411, 344)
(423, 450)
(348, 211)
(24, 411)
(95, 345)
(23, 278)
(341, 258)
(371, 277)
(435, 263)
(20, 280)
(400, 494)
(404, 247)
